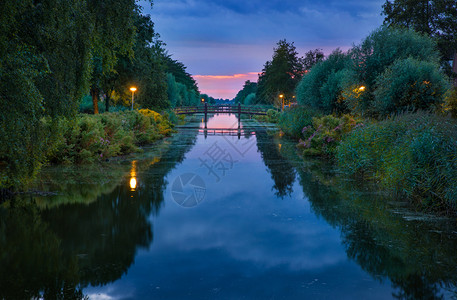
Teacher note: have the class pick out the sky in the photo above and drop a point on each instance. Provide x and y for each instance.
(223, 43)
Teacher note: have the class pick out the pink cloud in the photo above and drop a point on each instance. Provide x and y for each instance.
(223, 86)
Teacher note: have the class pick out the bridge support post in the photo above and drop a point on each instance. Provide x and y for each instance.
(206, 113)
(239, 115)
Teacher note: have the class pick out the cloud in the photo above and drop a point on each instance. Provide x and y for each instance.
(233, 36)
(224, 77)
(224, 86)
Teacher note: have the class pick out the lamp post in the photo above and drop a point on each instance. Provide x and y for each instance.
(133, 90)
(282, 101)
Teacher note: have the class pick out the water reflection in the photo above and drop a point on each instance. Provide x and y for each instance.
(271, 227)
(89, 232)
(417, 255)
(133, 176)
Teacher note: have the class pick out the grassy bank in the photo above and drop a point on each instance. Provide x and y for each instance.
(413, 156)
(97, 137)
(83, 139)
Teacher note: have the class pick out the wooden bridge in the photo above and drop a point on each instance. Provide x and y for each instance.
(221, 109)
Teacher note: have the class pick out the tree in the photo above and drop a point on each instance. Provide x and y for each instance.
(312, 57)
(409, 84)
(280, 75)
(375, 54)
(145, 69)
(113, 35)
(44, 69)
(321, 88)
(248, 88)
(178, 69)
(436, 18)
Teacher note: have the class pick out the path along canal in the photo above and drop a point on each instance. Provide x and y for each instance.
(212, 216)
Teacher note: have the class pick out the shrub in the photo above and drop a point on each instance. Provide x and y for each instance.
(450, 102)
(413, 155)
(97, 137)
(409, 84)
(272, 116)
(294, 119)
(386, 45)
(250, 99)
(321, 88)
(323, 136)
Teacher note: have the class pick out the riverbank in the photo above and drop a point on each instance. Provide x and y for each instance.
(90, 139)
(410, 156)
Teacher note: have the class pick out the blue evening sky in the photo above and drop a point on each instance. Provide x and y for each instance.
(225, 42)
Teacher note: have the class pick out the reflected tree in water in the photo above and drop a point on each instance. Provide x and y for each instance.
(91, 237)
(32, 263)
(282, 173)
(417, 258)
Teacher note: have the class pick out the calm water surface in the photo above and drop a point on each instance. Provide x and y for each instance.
(212, 216)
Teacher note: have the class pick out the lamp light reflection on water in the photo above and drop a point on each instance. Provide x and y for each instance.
(133, 182)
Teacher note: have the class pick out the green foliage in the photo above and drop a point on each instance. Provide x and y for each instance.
(248, 89)
(97, 137)
(379, 51)
(293, 120)
(321, 88)
(409, 84)
(250, 99)
(324, 135)
(272, 116)
(178, 70)
(435, 18)
(386, 45)
(450, 102)
(312, 57)
(382, 75)
(280, 75)
(412, 155)
(180, 95)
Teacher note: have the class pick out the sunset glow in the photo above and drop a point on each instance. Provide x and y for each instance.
(223, 86)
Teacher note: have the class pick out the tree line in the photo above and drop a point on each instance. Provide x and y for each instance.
(54, 52)
(285, 73)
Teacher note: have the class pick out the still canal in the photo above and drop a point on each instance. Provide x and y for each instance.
(219, 214)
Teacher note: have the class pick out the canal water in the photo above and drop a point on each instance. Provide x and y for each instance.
(219, 214)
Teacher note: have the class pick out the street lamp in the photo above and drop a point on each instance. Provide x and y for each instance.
(133, 90)
(282, 101)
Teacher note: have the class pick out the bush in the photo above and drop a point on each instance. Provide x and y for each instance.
(409, 84)
(377, 64)
(272, 116)
(321, 88)
(413, 155)
(294, 119)
(324, 135)
(450, 102)
(96, 137)
(386, 45)
(250, 99)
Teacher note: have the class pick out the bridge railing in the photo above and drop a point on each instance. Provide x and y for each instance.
(222, 108)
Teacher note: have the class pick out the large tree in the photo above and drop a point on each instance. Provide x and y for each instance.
(437, 18)
(248, 88)
(113, 35)
(280, 75)
(44, 69)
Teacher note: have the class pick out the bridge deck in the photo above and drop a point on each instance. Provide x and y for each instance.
(224, 109)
